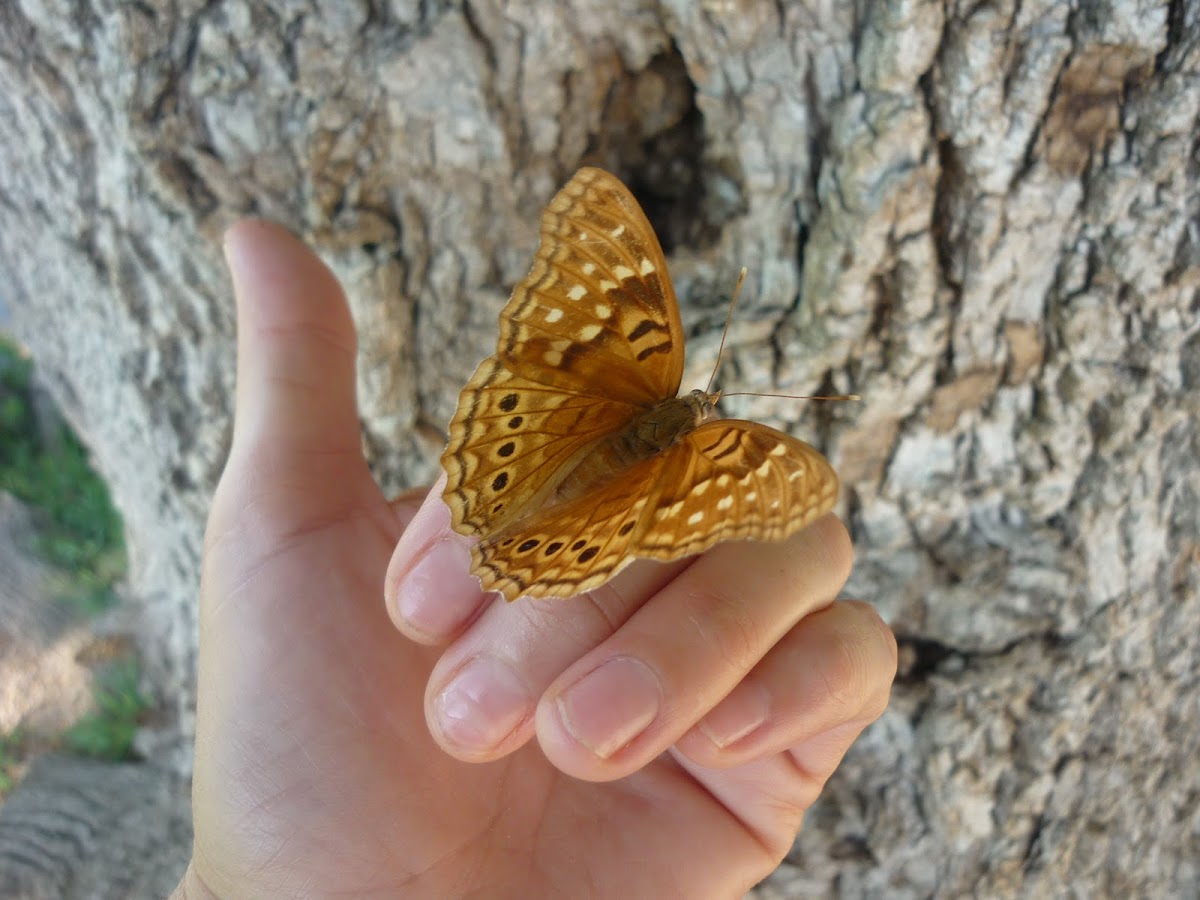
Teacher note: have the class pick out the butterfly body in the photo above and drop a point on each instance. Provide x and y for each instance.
(648, 433)
(570, 453)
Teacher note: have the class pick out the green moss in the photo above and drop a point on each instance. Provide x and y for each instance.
(107, 732)
(46, 467)
(78, 532)
(11, 756)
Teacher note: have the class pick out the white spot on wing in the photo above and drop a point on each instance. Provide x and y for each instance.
(667, 512)
(618, 231)
(553, 315)
(552, 357)
(646, 267)
(696, 518)
(778, 450)
(762, 470)
(752, 496)
(623, 272)
(577, 292)
(724, 503)
(588, 332)
(606, 285)
(589, 268)
(603, 310)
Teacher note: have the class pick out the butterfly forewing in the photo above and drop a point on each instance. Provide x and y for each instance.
(589, 338)
(512, 441)
(597, 314)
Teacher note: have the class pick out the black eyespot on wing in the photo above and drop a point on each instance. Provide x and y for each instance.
(500, 481)
(626, 528)
(530, 544)
(509, 402)
(578, 545)
(515, 421)
(497, 507)
(506, 542)
(507, 449)
(586, 555)
(551, 549)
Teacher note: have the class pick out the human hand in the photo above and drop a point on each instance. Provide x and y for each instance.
(333, 758)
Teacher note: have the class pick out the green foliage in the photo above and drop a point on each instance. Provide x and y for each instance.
(11, 746)
(79, 531)
(107, 733)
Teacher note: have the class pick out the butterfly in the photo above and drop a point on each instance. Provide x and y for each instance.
(570, 453)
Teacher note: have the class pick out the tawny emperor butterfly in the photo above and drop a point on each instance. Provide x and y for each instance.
(570, 453)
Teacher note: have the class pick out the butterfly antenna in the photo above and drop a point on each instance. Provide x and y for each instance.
(795, 396)
(724, 334)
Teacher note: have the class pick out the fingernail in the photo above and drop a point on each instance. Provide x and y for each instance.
(483, 705)
(435, 598)
(611, 705)
(745, 709)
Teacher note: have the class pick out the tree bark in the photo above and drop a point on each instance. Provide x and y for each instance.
(984, 218)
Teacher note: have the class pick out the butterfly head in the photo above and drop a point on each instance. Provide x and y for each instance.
(701, 403)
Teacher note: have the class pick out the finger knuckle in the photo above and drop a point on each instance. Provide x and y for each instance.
(839, 549)
(726, 627)
(844, 674)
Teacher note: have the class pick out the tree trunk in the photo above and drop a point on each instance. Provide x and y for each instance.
(984, 218)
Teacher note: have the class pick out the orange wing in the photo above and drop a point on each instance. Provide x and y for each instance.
(727, 480)
(589, 338)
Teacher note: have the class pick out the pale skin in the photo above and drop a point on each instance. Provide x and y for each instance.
(371, 725)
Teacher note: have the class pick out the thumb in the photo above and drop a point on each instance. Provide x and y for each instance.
(295, 349)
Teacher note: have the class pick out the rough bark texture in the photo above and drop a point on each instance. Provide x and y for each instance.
(983, 217)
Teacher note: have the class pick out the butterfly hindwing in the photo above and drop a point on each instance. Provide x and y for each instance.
(727, 480)
(570, 547)
(734, 480)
